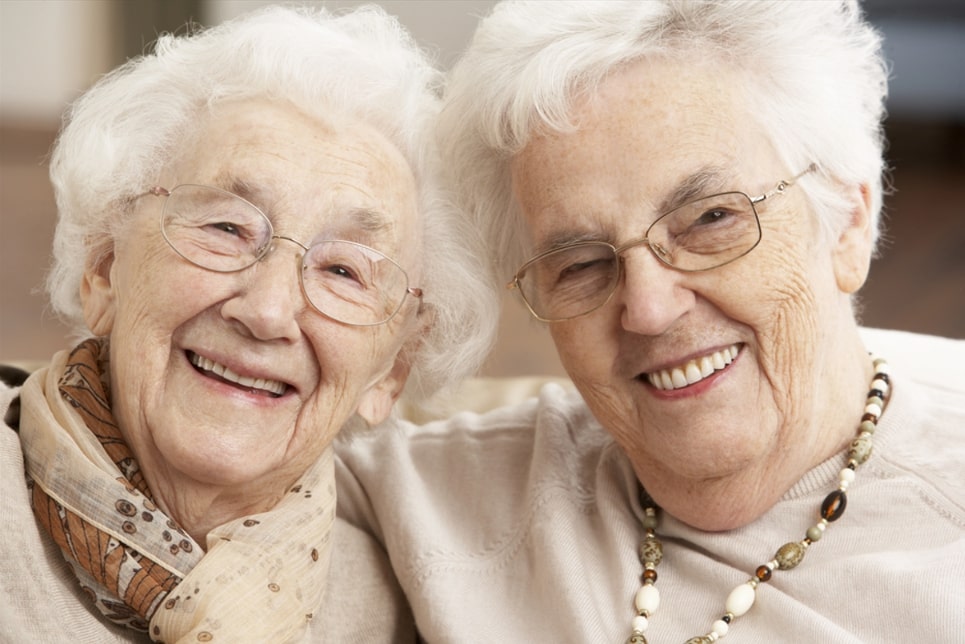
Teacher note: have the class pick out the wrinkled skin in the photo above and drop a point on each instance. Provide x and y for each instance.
(213, 450)
(720, 452)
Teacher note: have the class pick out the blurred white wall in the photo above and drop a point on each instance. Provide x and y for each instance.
(441, 25)
(49, 52)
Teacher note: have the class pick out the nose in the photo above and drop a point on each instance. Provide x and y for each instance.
(652, 294)
(269, 298)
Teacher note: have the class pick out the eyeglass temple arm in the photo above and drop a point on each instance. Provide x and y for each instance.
(784, 184)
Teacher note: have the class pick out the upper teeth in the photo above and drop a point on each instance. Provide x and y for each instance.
(272, 386)
(694, 371)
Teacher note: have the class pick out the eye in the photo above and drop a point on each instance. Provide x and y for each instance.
(712, 216)
(576, 268)
(576, 265)
(227, 227)
(342, 271)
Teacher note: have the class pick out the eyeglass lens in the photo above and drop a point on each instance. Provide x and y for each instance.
(220, 231)
(697, 236)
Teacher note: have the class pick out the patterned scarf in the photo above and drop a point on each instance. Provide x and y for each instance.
(263, 575)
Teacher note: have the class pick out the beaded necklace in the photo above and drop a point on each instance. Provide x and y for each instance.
(741, 598)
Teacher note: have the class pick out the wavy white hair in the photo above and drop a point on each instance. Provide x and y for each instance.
(118, 136)
(816, 81)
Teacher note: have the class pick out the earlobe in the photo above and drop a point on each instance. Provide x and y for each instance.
(852, 249)
(377, 401)
(97, 297)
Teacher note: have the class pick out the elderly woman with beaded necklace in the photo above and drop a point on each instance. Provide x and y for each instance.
(688, 195)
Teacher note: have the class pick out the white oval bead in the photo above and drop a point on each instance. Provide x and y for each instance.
(846, 475)
(740, 600)
(880, 385)
(648, 599)
(640, 623)
(872, 408)
(720, 627)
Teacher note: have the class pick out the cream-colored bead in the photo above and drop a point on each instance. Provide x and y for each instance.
(640, 623)
(720, 627)
(740, 600)
(647, 599)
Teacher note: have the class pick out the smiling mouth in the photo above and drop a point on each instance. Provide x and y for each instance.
(261, 386)
(693, 371)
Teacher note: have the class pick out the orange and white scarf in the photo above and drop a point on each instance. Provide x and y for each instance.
(260, 578)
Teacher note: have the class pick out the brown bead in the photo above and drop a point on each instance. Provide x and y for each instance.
(833, 505)
(649, 575)
(763, 573)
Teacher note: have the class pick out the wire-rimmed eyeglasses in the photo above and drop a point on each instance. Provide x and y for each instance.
(219, 231)
(576, 279)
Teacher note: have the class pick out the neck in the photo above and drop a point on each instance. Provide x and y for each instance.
(738, 498)
(198, 507)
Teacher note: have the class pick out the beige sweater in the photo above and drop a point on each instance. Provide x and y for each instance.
(522, 526)
(496, 542)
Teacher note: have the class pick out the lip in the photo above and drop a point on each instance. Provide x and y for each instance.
(237, 377)
(693, 371)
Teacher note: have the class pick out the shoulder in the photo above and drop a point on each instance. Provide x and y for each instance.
(921, 436)
(503, 438)
(927, 358)
(481, 469)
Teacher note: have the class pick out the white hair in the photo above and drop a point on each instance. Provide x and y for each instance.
(118, 136)
(816, 81)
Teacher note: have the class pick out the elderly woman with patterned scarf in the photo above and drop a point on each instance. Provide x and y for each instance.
(242, 218)
(687, 195)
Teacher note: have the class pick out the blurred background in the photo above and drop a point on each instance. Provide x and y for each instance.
(51, 50)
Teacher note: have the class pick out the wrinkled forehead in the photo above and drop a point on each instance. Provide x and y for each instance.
(314, 177)
(651, 136)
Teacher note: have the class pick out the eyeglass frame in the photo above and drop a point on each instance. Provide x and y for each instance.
(159, 191)
(618, 251)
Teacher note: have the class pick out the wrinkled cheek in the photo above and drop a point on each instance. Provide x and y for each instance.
(787, 344)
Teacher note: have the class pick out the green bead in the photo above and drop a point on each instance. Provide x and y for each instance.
(650, 551)
(860, 449)
(790, 555)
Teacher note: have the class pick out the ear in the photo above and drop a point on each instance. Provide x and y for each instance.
(376, 402)
(851, 254)
(97, 296)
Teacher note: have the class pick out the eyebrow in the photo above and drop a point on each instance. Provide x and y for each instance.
(368, 220)
(706, 181)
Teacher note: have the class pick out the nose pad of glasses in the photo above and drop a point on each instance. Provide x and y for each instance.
(662, 253)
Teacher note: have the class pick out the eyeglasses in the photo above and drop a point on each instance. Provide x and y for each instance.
(222, 232)
(707, 233)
